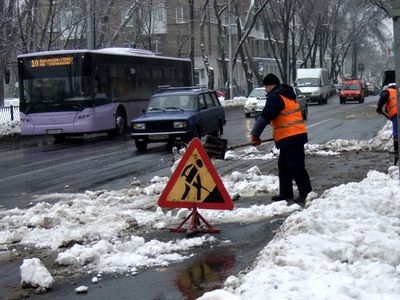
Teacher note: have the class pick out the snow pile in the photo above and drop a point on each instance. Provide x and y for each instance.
(340, 247)
(34, 274)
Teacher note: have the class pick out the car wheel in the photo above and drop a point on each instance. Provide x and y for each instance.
(196, 133)
(320, 101)
(304, 114)
(247, 115)
(218, 131)
(141, 145)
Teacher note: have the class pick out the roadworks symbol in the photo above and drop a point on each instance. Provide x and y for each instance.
(195, 182)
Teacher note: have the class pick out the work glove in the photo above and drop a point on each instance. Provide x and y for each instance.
(255, 141)
(379, 110)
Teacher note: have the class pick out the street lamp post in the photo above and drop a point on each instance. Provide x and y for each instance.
(230, 51)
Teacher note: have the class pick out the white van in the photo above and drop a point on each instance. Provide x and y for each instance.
(314, 84)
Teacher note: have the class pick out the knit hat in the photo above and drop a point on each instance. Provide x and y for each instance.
(271, 79)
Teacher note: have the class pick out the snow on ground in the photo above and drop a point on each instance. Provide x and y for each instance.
(341, 246)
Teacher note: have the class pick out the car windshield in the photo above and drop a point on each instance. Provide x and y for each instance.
(258, 93)
(352, 87)
(165, 102)
(302, 82)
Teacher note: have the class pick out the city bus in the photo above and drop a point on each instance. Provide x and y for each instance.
(74, 92)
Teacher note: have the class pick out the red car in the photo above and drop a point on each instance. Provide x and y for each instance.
(352, 90)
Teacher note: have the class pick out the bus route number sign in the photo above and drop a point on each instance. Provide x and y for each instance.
(51, 62)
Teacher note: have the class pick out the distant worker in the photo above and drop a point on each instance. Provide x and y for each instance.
(388, 100)
(290, 135)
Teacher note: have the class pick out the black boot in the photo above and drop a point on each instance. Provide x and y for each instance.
(282, 197)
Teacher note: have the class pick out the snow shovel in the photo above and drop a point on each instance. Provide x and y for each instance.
(216, 147)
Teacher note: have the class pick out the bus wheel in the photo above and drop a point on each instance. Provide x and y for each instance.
(141, 145)
(120, 124)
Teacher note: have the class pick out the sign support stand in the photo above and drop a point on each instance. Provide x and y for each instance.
(195, 224)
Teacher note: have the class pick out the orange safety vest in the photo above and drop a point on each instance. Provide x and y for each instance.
(391, 104)
(289, 121)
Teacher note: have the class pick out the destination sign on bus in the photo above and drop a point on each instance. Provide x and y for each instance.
(51, 62)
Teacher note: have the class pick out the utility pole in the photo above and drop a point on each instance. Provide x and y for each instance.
(230, 51)
(2, 58)
(192, 37)
(396, 36)
(89, 25)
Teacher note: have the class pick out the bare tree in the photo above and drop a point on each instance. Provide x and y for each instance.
(243, 31)
(209, 70)
(132, 10)
(277, 21)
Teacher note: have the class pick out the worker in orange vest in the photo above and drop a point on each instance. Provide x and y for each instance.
(290, 135)
(388, 101)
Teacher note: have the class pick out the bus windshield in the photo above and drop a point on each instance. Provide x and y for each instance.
(57, 93)
(55, 83)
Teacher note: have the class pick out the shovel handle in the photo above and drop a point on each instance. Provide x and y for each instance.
(385, 114)
(247, 144)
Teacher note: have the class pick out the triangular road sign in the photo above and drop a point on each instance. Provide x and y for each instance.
(195, 182)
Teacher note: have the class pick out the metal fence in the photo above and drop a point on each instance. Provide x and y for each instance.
(9, 113)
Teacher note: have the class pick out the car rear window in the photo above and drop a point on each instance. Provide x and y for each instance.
(352, 86)
(259, 93)
(170, 101)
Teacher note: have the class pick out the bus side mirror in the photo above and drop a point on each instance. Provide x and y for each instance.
(7, 76)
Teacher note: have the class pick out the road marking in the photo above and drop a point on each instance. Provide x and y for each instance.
(318, 123)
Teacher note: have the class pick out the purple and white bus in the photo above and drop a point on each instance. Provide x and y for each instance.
(72, 92)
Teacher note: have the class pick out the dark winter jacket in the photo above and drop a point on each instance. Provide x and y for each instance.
(273, 106)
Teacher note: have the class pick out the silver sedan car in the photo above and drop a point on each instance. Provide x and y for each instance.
(251, 102)
(300, 98)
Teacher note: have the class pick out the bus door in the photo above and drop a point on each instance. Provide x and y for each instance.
(102, 97)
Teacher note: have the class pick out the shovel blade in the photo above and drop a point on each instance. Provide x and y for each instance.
(215, 147)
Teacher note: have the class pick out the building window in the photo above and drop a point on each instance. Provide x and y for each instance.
(69, 21)
(159, 14)
(124, 16)
(181, 15)
(155, 46)
(159, 19)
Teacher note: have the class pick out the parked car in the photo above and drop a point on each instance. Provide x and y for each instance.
(338, 87)
(372, 90)
(177, 114)
(251, 102)
(352, 90)
(220, 95)
(300, 98)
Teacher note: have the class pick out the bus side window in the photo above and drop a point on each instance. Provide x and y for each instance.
(101, 85)
(120, 82)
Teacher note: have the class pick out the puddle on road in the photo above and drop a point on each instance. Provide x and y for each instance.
(210, 269)
(204, 275)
